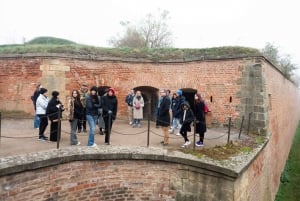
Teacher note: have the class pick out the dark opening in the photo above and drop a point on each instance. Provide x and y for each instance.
(150, 96)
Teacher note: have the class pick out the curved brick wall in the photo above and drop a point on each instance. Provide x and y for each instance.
(119, 173)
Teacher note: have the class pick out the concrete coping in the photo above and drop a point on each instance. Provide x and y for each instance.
(229, 169)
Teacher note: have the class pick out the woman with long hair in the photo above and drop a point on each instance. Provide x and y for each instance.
(92, 106)
(75, 113)
(199, 105)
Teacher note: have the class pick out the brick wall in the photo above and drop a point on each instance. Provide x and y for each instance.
(254, 85)
(217, 80)
(117, 180)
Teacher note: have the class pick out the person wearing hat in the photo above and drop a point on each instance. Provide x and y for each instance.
(81, 124)
(110, 108)
(41, 106)
(54, 112)
(163, 118)
(92, 105)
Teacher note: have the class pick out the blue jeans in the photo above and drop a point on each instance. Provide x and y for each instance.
(36, 121)
(92, 121)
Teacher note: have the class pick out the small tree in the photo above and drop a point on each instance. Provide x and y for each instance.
(283, 62)
(151, 32)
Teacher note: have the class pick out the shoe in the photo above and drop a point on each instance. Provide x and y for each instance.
(107, 143)
(133, 125)
(187, 143)
(130, 123)
(139, 126)
(43, 138)
(84, 130)
(199, 144)
(171, 131)
(94, 145)
(78, 143)
(178, 134)
(79, 131)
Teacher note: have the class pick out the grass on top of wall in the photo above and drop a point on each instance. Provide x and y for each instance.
(158, 54)
(289, 189)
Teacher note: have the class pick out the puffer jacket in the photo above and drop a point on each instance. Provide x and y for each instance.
(41, 104)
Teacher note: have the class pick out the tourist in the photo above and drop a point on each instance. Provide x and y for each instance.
(176, 110)
(75, 113)
(186, 119)
(163, 118)
(92, 105)
(34, 97)
(54, 111)
(41, 106)
(129, 101)
(83, 94)
(138, 105)
(199, 111)
(110, 108)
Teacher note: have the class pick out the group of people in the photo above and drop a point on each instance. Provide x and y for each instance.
(173, 112)
(83, 106)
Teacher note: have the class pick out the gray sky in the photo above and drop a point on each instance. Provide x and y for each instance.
(194, 23)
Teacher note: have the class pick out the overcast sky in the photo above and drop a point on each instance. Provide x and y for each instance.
(194, 23)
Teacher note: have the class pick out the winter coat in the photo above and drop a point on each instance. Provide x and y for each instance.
(176, 106)
(41, 104)
(163, 118)
(92, 106)
(200, 117)
(110, 103)
(54, 109)
(75, 111)
(129, 99)
(138, 105)
(188, 119)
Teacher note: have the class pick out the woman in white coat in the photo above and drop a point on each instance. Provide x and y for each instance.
(138, 105)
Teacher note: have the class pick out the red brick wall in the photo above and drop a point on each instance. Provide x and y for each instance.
(216, 79)
(115, 180)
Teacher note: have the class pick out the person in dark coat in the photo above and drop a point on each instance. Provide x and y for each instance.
(186, 119)
(110, 108)
(54, 111)
(163, 118)
(92, 106)
(200, 118)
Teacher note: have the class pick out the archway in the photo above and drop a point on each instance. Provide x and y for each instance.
(150, 96)
(189, 95)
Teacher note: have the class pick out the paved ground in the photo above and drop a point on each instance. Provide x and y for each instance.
(19, 137)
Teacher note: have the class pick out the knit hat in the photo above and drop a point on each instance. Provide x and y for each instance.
(112, 89)
(43, 90)
(179, 92)
(94, 88)
(55, 93)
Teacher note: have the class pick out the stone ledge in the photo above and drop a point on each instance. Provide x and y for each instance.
(226, 169)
